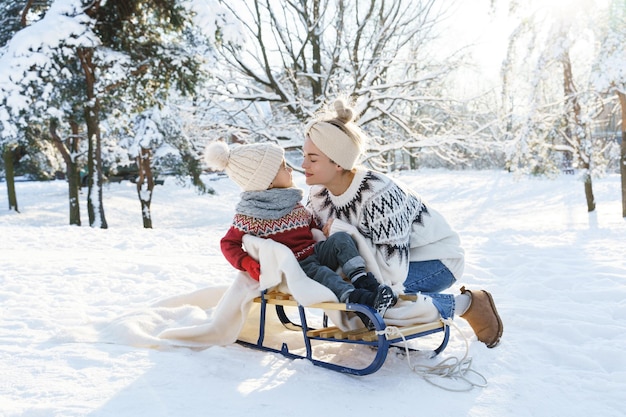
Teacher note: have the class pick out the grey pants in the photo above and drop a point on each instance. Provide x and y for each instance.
(339, 250)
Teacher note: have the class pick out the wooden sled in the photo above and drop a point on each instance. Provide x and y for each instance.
(378, 339)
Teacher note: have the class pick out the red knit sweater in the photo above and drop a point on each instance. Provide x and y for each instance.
(292, 230)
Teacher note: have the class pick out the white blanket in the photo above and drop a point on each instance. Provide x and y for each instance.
(220, 315)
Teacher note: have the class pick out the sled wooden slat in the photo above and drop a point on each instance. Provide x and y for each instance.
(381, 338)
(322, 332)
(336, 333)
(358, 334)
(408, 330)
(370, 335)
(277, 299)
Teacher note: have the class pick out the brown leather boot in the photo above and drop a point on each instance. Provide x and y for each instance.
(483, 317)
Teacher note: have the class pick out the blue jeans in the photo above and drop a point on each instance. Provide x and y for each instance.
(339, 250)
(430, 278)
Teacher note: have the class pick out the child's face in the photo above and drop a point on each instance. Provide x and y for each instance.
(283, 177)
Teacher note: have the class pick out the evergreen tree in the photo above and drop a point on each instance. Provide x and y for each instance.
(84, 60)
(15, 15)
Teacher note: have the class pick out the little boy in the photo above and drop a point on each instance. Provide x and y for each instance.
(270, 207)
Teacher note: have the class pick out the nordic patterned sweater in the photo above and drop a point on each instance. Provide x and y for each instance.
(397, 223)
(292, 230)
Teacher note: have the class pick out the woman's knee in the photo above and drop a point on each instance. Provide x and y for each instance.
(428, 276)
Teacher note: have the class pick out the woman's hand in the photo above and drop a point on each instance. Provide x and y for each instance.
(327, 227)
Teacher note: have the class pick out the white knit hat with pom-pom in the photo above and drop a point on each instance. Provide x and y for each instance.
(253, 167)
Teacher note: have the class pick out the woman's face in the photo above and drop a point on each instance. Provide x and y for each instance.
(318, 168)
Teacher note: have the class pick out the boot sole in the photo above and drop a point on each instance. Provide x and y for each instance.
(500, 325)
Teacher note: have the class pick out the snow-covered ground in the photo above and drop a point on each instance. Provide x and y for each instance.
(557, 273)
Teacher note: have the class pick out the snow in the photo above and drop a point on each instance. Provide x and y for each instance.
(556, 273)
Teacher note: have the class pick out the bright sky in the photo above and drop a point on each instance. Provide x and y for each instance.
(488, 30)
(473, 23)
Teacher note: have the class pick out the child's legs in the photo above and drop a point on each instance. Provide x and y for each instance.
(339, 250)
(326, 276)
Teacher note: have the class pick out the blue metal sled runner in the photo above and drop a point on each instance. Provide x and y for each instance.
(380, 339)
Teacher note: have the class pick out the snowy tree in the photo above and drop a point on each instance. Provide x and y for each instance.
(15, 15)
(298, 55)
(163, 57)
(159, 143)
(610, 70)
(83, 60)
(18, 14)
(547, 93)
(33, 71)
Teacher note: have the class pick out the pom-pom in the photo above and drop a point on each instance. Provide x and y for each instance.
(216, 155)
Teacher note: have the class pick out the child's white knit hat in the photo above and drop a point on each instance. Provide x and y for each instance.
(253, 167)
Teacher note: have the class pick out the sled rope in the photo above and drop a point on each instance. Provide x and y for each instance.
(452, 367)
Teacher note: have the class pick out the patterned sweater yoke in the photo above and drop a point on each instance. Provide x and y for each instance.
(292, 230)
(394, 219)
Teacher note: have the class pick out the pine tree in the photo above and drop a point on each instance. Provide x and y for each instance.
(100, 57)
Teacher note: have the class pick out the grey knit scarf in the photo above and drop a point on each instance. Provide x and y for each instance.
(269, 204)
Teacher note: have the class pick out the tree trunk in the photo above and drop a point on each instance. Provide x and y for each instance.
(73, 177)
(315, 39)
(145, 185)
(622, 160)
(577, 130)
(591, 201)
(68, 150)
(9, 156)
(95, 207)
(412, 159)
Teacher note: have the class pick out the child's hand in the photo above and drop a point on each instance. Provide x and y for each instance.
(327, 226)
(252, 267)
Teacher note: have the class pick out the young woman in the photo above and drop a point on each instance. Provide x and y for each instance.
(415, 248)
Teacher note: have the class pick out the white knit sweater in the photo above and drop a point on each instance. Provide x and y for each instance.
(396, 222)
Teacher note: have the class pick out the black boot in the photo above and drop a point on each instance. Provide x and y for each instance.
(380, 300)
(384, 299)
(366, 281)
(370, 283)
(362, 296)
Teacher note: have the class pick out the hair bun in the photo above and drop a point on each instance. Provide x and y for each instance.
(344, 113)
(217, 155)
